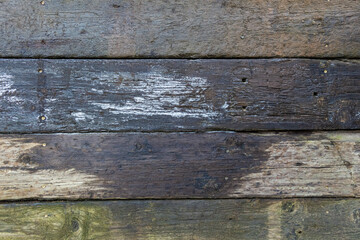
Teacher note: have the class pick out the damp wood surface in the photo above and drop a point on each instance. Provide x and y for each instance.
(288, 219)
(178, 95)
(180, 29)
(179, 165)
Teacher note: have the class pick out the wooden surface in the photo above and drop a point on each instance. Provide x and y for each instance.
(178, 95)
(179, 165)
(181, 29)
(170, 146)
(289, 219)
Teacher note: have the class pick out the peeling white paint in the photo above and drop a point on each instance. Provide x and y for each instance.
(357, 116)
(156, 93)
(225, 106)
(97, 91)
(5, 83)
(80, 116)
(6, 88)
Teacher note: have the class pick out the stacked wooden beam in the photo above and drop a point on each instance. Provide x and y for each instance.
(213, 119)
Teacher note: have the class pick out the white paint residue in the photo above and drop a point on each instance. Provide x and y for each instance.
(357, 115)
(80, 116)
(160, 94)
(97, 91)
(225, 106)
(6, 84)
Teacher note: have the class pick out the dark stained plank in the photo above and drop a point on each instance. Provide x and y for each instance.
(265, 219)
(178, 95)
(179, 165)
(170, 28)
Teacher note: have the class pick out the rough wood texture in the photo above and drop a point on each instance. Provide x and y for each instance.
(188, 219)
(179, 165)
(178, 95)
(208, 28)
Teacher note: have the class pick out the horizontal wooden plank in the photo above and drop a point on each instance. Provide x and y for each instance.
(179, 165)
(178, 95)
(186, 219)
(159, 28)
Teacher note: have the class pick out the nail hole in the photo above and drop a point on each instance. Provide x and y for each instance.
(315, 94)
(40, 70)
(43, 41)
(244, 107)
(244, 79)
(299, 164)
(299, 231)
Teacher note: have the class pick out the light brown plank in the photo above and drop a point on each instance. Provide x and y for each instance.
(179, 165)
(208, 28)
(186, 219)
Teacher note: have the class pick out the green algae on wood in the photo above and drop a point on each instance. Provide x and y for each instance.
(54, 221)
(229, 219)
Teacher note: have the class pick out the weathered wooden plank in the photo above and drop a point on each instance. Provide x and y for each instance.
(179, 165)
(187, 219)
(208, 28)
(173, 95)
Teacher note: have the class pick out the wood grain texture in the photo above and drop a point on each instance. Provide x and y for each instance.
(178, 95)
(187, 219)
(163, 28)
(179, 165)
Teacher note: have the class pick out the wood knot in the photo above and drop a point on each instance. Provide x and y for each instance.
(138, 146)
(356, 215)
(347, 164)
(75, 225)
(288, 206)
(24, 158)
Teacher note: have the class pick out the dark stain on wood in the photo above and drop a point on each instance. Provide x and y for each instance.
(179, 165)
